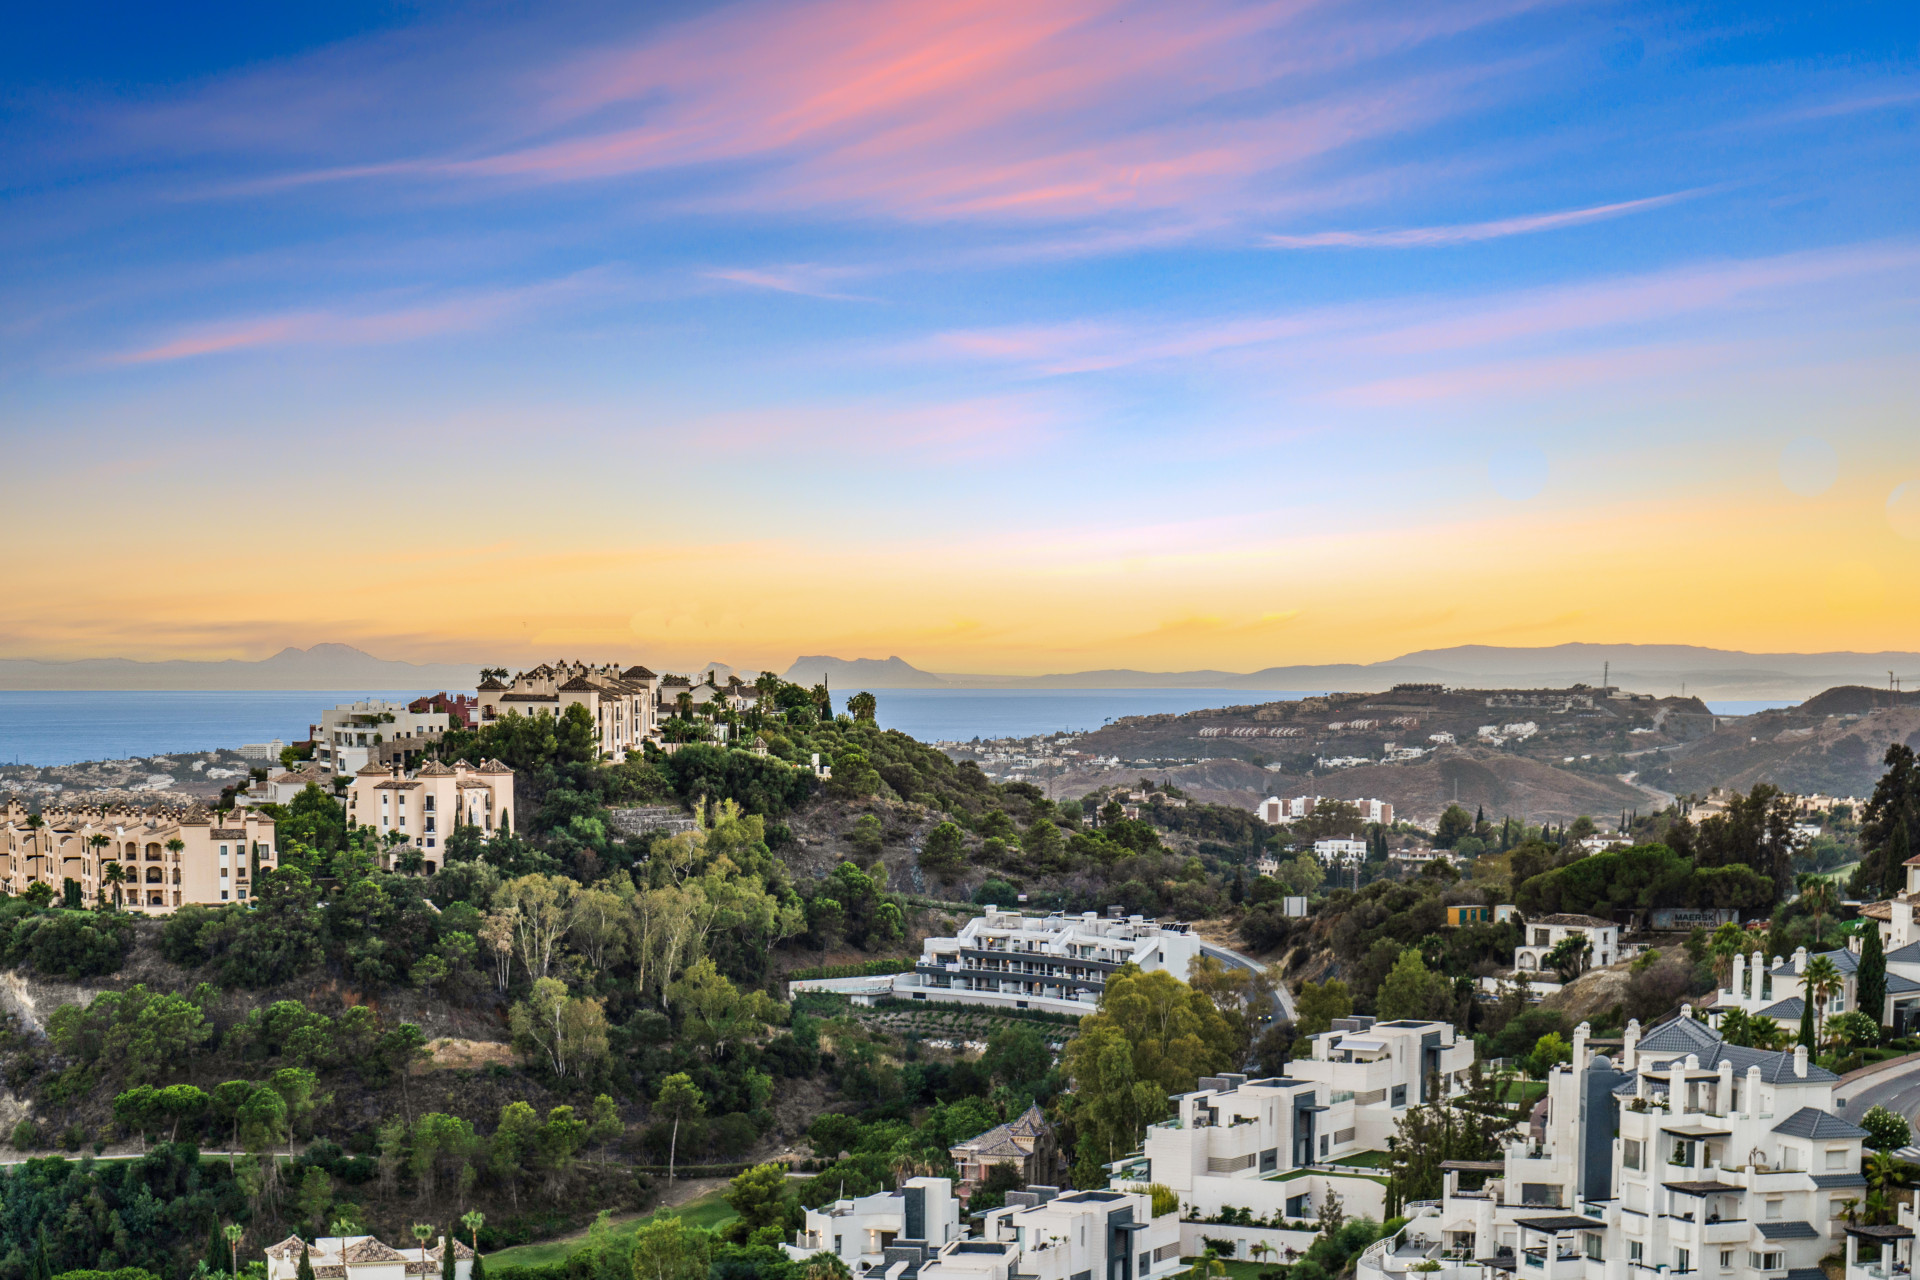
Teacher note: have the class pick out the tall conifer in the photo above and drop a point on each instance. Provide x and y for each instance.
(1871, 973)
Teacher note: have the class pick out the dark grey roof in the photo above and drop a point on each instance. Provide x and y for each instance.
(1703, 1188)
(1825, 1180)
(1788, 1230)
(1811, 1122)
(1806, 1273)
(1909, 954)
(1897, 985)
(1680, 1036)
(1792, 1007)
(1843, 960)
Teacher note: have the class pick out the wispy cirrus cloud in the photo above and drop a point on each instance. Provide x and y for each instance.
(806, 280)
(1472, 232)
(372, 324)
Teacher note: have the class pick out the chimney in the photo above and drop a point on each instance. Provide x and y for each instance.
(1580, 1034)
(1726, 1086)
(1753, 1091)
(1686, 1011)
(1628, 1045)
(1800, 1061)
(1800, 960)
(1740, 974)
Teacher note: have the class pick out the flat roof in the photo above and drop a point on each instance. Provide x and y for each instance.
(1561, 1222)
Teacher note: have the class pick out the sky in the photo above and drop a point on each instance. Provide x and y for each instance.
(1007, 336)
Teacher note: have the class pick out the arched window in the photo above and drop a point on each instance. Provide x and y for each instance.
(155, 876)
(153, 853)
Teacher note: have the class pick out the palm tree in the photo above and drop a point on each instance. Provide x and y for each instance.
(473, 1220)
(233, 1233)
(1820, 981)
(423, 1232)
(116, 877)
(1818, 898)
(98, 841)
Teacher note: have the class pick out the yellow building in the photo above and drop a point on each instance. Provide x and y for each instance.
(1469, 913)
(619, 702)
(216, 861)
(424, 806)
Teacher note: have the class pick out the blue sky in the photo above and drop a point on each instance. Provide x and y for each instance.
(1006, 337)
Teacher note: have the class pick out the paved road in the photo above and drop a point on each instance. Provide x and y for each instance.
(1282, 998)
(1898, 1090)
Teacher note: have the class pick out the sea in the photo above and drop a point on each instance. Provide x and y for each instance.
(53, 728)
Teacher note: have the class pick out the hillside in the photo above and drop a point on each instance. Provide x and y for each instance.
(1829, 745)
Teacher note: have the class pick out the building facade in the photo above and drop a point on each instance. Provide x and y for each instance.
(165, 858)
(1687, 1156)
(1040, 1234)
(1281, 812)
(1058, 963)
(619, 701)
(365, 1258)
(1026, 1142)
(1602, 939)
(861, 1231)
(345, 734)
(422, 807)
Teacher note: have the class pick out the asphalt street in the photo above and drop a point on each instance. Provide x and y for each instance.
(1897, 1090)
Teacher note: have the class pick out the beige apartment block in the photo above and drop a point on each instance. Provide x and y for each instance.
(619, 701)
(217, 861)
(425, 805)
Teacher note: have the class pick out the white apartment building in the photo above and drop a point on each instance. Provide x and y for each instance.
(1057, 962)
(1042, 1235)
(1778, 990)
(1340, 852)
(1276, 1145)
(345, 734)
(423, 807)
(861, 1231)
(1281, 812)
(1688, 1156)
(620, 702)
(1543, 935)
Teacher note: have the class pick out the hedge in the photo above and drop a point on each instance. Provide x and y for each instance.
(865, 969)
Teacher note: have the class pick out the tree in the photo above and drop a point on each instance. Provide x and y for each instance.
(1548, 1051)
(1870, 975)
(1317, 1006)
(305, 1271)
(1570, 956)
(759, 1196)
(1818, 897)
(1888, 824)
(944, 851)
(1454, 825)
(233, 1233)
(679, 1100)
(473, 1220)
(1729, 940)
(863, 708)
(182, 1102)
(1886, 1130)
(1411, 991)
(315, 1195)
(423, 1232)
(1820, 981)
(668, 1249)
(603, 1123)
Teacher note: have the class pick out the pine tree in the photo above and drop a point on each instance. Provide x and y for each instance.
(1871, 973)
(479, 1268)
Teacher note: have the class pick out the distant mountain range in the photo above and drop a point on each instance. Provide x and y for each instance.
(1663, 669)
(1644, 668)
(324, 666)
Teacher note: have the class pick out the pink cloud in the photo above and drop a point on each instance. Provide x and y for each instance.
(964, 108)
(1468, 233)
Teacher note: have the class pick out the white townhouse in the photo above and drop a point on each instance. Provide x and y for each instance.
(861, 1231)
(1543, 935)
(1276, 1145)
(1779, 990)
(365, 1258)
(1687, 1156)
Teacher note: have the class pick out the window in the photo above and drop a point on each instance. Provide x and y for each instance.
(1773, 1209)
(1593, 1246)
(1399, 1095)
(1323, 1144)
(1630, 1153)
(1726, 1259)
(1837, 1158)
(1768, 1261)
(1635, 1251)
(1682, 1260)
(223, 895)
(242, 894)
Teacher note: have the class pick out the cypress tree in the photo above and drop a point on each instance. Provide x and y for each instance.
(1899, 849)
(1806, 1023)
(306, 1265)
(447, 1271)
(44, 1264)
(479, 1268)
(1871, 973)
(218, 1256)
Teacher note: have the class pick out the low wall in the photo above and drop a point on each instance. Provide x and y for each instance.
(1264, 1197)
(1192, 1243)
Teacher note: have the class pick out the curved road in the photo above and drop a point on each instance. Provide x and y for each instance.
(1282, 998)
(1897, 1089)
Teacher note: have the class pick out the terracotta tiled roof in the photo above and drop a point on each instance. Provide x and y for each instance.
(371, 1250)
(1878, 911)
(288, 1248)
(491, 685)
(330, 1272)
(433, 769)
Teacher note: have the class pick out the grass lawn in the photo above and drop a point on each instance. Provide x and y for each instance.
(1365, 1159)
(710, 1210)
(1239, 1269)
(1523, 1090)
